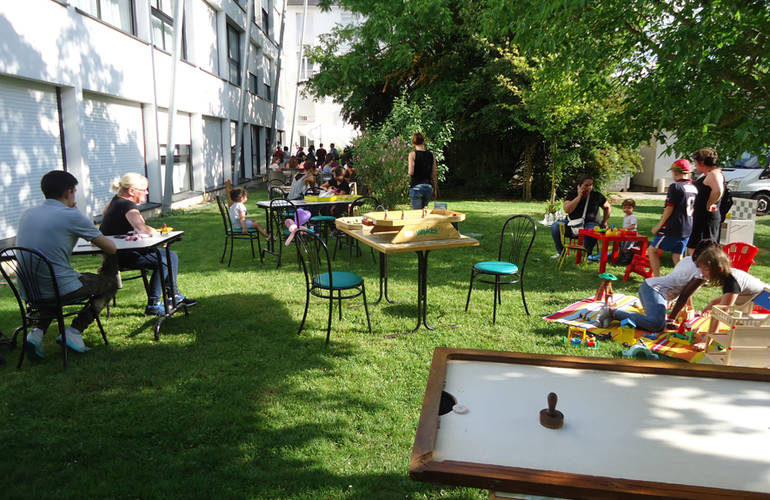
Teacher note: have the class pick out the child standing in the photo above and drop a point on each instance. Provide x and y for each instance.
(629, 224)
(238, 213)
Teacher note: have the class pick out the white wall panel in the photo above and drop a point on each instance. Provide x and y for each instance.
(213, 160)
(30, 146)
(113, 140)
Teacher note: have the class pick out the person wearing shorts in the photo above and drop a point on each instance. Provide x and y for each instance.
(673, 230)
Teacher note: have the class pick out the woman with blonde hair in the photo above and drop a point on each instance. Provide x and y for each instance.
(122, 216)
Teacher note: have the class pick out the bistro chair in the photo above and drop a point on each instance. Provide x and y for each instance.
(568, 244)
(359, 206)
(279, 211)
(275, 192)
(516, 240)
(233, 233)
(321, 281)
(22, 269)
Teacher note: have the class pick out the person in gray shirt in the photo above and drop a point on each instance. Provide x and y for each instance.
(52, 229)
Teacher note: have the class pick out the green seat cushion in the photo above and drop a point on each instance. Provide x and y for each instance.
(341, 280)
(240, 230)
(496, 267)
(323, 218)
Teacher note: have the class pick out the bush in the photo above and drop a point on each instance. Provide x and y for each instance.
(381, 165)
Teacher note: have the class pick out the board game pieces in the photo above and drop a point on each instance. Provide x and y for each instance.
(551, 417)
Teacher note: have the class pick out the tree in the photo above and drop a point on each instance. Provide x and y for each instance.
(696, 68)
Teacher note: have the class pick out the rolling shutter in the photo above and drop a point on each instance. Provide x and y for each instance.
(213, 160)
(30, 146)
(113, 137)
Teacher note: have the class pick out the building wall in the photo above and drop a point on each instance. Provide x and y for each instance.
(655, 165)
(317, 121)
(79, 91)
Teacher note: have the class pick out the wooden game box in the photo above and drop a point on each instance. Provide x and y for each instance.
(408, 225)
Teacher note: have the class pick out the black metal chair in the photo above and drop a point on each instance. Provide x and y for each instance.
(321, 281)
(516, 240)
(24, 270)
(279, 211)
(275, 183)
(275, 192)
(232, 234)
(359, 206)
(142, 274)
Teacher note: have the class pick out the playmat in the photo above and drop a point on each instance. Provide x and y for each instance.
(583, 314)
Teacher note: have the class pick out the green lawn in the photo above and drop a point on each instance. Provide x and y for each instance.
(231, 403)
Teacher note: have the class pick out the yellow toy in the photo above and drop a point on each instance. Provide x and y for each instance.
(166, 229)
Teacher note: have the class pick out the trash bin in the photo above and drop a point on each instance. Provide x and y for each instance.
(660, 185)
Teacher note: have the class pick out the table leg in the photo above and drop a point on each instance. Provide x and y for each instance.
(422, 294)
(383, 280)
(603, 258)
(168, 288)
(578, 253)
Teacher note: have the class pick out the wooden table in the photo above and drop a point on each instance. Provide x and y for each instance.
(606, 240)
(632, 429)
(382, 242)
(149, 244)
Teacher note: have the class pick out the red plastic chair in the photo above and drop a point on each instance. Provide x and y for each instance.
(741, 255)
(640, 264)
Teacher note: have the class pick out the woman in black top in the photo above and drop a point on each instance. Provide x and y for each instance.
(121, 216)
(422, 170)
(706, 218)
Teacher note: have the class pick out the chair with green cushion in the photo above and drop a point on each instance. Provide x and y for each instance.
(232, 234)
(516, 240)
(321, 281)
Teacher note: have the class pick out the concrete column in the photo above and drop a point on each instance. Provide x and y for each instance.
(72, 121)
(222, 37)
(152, 157)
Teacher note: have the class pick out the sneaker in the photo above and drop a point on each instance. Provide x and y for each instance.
(555, 256)
(154, 310)
(34, 344)
(181, 299)
(594, 258)
(74, 340)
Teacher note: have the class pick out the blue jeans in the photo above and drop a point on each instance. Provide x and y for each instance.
(588, 243)
(420, 195)
(654, 317)
(149, 260)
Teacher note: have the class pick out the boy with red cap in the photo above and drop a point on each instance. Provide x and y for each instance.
(673, 229)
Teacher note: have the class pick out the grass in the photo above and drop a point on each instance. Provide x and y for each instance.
(231, 403)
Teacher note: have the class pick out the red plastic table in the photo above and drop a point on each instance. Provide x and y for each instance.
(605, 239)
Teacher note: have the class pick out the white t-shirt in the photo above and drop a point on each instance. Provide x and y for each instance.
(236, 209)
(629, 221)
(670, 285)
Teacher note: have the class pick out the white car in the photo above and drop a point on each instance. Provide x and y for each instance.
(748, 178)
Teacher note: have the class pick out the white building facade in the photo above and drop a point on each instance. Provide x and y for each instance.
(83, 89)
(316, 121)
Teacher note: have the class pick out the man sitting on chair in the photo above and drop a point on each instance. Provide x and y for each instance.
(52, 229)
(575, 206)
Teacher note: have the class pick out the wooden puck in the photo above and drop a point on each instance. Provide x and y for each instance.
(550, 417)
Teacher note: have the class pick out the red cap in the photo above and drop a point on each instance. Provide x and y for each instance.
(682, 165)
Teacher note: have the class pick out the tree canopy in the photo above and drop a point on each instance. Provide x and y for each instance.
(697, 69)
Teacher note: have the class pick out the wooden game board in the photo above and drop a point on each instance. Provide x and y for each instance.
(410, 225)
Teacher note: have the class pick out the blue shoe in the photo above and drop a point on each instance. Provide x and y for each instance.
(594, 258)
(74, 341)
(154, 310)
(34, 345)
(181, 299)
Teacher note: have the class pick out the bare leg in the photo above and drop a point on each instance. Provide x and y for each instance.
(676, 257)
(259, 227)
(652, 253)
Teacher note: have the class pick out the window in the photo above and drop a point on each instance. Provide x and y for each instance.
(253, 84)
(163, 26)
(182, 167)
(267, 75)
(266, 16)
(256, 166)
(233, 137)
(119, 13)
(306, 68)
(234, 54)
